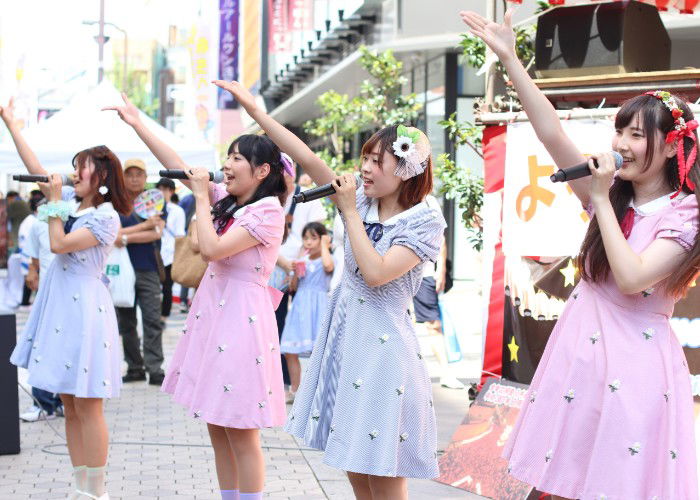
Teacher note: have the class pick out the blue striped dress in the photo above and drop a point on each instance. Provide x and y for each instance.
(366, 396)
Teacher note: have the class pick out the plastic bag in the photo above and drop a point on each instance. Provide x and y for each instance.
(122, 279)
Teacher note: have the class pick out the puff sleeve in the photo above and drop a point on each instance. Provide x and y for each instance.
(681, 223)
(422, 233)
(104, 224)
(264, 222)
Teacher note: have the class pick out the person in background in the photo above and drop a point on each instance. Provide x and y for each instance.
(298, 215)
(188, 205)
(17, 210)
(22, 234)
(174, 217)
(139, 236)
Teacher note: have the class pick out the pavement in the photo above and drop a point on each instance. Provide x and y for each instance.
(157, 452)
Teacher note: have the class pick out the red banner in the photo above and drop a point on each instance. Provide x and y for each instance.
(301, 16)
(279, 36)
(683, 6)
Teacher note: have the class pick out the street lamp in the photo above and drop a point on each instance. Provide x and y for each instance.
(126, 46)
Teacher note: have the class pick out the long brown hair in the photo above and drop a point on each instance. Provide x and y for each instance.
(108, 172)
(413, 190)
(656, 121)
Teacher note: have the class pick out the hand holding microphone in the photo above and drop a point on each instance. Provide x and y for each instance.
(216, 177)
(582, 169)
(322, 191)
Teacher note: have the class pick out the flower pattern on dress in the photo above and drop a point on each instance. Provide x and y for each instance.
(259, 360)
(316, 415)
(614, 385)
(635, 448)
(227, 387)
(595, 337)
(184, 330)
(261, 404)
(403, 437)
(68, 365)
(533, 396)
(361, 300)
(648, 292)
(548, 456)
(648, 333)
(197, 414)
(373, 435)
(674, 454)
(222, 302)
(357, 383)
(101, 308)
(251, 319)
(400, 390)
(197, 314)
(106, 344)
(384, 339)
(569, 396)
(667, 395)
(221, 348)
(58, 329)
(76, 297)
(212, 274)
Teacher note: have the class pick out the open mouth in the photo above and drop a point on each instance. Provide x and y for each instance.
(366, 181)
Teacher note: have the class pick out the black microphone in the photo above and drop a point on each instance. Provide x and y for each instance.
(66, 179)
(217, 176)
(581, 170)
(320, 192)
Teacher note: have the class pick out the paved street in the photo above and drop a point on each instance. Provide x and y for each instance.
(158, 452)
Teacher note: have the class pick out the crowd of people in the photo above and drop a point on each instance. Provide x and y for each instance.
(277, 286)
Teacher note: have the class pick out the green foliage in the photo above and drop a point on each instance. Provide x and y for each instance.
(461, 184)
(138, 88)
(379, 103)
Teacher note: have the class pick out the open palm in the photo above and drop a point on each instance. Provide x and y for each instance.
(239, 92)
(129, 113)
(499, 37)
(7, 113)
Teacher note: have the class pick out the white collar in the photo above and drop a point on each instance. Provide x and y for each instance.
(107, 205)
(653, 206)
(373, 212)
(274, 200)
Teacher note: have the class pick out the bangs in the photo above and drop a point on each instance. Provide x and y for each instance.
(384, 139)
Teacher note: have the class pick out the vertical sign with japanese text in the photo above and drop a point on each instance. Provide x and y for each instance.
(229, 11)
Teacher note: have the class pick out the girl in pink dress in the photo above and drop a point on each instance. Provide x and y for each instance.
(226, 369)
(609, 413)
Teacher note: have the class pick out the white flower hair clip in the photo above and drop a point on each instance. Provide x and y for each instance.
(412, 149)
(103, 190)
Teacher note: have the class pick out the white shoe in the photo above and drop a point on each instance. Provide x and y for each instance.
(451, 383)
(86, 495)
(34, 414)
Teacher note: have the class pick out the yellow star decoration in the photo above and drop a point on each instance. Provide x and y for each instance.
(513, 348)
(569, 273)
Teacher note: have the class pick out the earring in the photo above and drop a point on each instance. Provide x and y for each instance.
(103, 190)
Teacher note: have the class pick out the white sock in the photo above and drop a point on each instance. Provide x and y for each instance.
(229, 494)
(250, 496)
(95, 481)
(79, 480)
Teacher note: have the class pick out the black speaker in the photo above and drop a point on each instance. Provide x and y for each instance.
(601, 38)
(9, 401)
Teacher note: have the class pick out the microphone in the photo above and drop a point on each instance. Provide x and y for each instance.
(66, 179)
(217, 176)
(320, 192)
(581, 170)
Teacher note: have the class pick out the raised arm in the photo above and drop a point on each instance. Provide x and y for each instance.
(284, 138)
(25, 152)
(501, 40)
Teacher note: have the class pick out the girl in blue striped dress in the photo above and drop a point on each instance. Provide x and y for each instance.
(366, 396)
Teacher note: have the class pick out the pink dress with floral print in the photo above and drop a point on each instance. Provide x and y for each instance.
(609, 413)
(227, 368)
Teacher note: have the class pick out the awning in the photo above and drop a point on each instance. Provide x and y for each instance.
(683, 6)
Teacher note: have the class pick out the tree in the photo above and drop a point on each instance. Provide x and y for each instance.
(137, 89)
(379, 103)
(459, 183)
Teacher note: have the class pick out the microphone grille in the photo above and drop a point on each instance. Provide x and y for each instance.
(618, 159)
(218, 177)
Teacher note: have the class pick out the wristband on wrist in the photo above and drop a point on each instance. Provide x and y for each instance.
(60, 209)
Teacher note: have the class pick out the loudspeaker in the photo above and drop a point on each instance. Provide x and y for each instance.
(9, 400)
(601, 38)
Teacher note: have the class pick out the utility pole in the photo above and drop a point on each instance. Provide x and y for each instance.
(101, 44)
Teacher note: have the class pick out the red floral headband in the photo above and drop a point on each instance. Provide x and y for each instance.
(681, 129)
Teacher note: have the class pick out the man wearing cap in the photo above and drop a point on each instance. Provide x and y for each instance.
(174, 227)
(140, 237)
